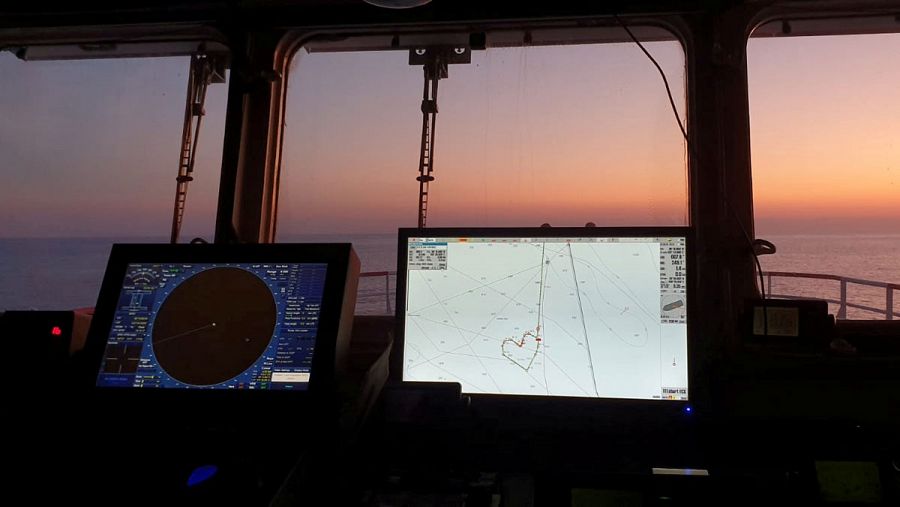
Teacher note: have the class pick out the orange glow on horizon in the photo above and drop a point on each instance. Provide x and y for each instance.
(562, 134)
(825, 133)
(524, 136)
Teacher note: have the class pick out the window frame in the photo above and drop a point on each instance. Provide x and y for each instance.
(81, 43)
(386, 38)
(780, 22)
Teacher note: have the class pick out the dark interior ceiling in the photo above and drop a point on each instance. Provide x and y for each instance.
(31, 17)
(43, 21)
(316, 12)
(25, 20)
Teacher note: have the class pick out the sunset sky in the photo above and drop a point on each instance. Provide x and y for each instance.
(553, 134)
(557, 134)
(825, 132)
(91, 148)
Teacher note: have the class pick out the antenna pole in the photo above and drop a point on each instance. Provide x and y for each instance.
(203, 71)
(429, 118)
(434, 61)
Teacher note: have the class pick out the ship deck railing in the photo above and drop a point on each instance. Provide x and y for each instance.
(842, 303)
(370, 293)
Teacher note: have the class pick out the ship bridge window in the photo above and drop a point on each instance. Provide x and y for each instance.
(543, 126)
(825, 125)
(89, 154)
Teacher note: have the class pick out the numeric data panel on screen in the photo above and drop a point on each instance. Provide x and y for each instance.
(215, 326)
(585, 317)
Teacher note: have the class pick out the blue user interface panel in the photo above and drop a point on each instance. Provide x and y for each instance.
(215, 326)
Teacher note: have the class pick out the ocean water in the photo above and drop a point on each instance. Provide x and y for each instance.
(66, 273)
(868, 257)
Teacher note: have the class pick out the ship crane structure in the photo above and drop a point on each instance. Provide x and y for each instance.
(435, 61)
(205, 69)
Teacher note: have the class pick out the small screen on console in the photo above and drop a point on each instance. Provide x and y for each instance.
(599, 314)
(214, 326)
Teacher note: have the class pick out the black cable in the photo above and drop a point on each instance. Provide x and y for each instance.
(762, 285)
(664, 78)
(763, 247)
(693, 153)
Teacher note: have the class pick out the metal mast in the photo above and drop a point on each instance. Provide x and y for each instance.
(434, 71)
(434, 61)
(204, 70)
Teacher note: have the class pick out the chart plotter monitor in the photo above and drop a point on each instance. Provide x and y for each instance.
(547, 312)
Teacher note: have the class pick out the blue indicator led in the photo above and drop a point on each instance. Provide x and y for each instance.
(688, 409)
(201, 474)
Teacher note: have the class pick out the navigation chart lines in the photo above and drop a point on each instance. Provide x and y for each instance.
(587, 341)
(533, 334)
(539, 317)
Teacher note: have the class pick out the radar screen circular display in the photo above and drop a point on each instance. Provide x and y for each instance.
(213, 326)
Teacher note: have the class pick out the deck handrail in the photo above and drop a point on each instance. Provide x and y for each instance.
(387, 286)
(377, 273)
(843, 304)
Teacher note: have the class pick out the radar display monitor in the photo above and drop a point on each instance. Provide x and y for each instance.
(549, 312)
(247, 317)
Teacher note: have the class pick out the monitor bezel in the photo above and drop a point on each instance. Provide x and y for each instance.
(339, 261)
(396, 371)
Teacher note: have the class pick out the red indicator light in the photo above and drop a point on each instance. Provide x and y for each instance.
(56, 331)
